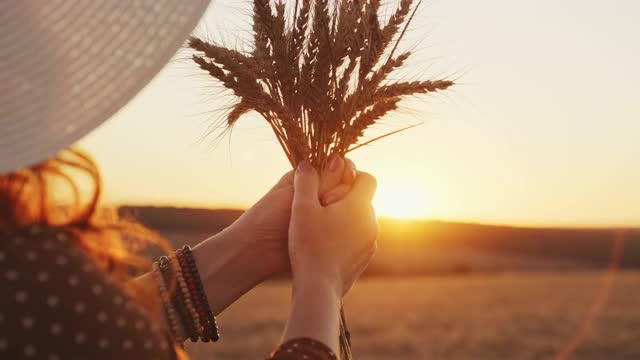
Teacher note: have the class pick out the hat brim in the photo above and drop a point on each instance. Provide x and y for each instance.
(67, 66)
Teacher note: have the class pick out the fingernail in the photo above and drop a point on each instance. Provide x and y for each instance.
(304, 166)
(334, 161)
(330, 199)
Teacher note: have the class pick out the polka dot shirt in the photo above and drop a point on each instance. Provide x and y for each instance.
(55, 304)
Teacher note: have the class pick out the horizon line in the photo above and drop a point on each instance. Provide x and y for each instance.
(511, 224)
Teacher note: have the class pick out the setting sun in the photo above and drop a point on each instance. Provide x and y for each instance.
(399, 198)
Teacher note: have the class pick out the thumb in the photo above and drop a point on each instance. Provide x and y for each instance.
(306, 185)
(364, 187)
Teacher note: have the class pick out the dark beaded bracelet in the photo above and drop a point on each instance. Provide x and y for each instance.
(185, 297)
(165, 272)
(168, 272)
(194, 294)
(213, 326)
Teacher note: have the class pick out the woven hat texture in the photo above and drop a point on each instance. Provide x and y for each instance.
(66, 66)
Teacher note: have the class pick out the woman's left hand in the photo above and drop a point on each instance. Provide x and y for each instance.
(266, 223)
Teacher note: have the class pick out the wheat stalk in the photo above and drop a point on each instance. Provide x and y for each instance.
(317, 74)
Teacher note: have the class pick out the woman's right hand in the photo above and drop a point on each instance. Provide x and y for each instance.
(331, 244)
(329, 247)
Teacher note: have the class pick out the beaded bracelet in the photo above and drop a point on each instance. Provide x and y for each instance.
(192, 317)
(187, 309)
(194, 295)
(170, 274)
(213, 326)
(170, 314)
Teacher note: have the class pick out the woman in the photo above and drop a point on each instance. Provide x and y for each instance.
(67, 271)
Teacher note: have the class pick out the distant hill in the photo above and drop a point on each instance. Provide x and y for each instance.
(433, 247)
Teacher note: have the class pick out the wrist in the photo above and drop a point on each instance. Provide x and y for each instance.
(228, 267)
(268, 250)
(315, 309)
(325, 282)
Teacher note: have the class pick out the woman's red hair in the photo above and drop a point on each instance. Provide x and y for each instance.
(64, 193)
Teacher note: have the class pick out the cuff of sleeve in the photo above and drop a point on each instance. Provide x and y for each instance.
(303, 348)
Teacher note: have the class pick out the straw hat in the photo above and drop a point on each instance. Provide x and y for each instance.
(66, 66)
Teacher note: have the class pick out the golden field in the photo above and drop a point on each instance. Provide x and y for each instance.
(453, 291)
(479, 316)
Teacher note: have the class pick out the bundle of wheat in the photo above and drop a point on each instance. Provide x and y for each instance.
(317, 73)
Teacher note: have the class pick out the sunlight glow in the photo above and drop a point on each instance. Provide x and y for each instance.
(402, 199)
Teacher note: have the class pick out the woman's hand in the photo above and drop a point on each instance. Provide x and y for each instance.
(254, 248)
(334, 242)
(265, 225)
(329, 247)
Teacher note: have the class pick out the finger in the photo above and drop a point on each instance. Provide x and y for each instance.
(331, 175)
(306, 185)
(336, 194)
(372, 213)
(364, 187)
(285, 181)
(349, 173)
(374, 218)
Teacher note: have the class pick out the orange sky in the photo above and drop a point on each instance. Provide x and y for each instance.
(542, 130)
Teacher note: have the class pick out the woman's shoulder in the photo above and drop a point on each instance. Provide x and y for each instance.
(58, 304)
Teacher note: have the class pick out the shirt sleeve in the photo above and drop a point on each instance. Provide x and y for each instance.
(303, 348)
(56, 304)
